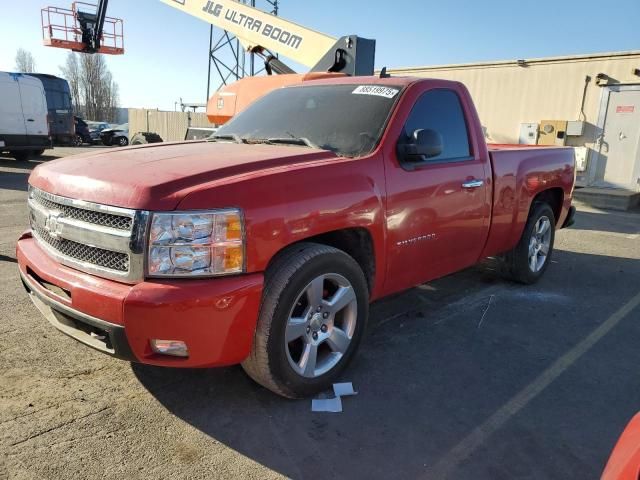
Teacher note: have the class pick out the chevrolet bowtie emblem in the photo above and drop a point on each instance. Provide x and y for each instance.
(52, 224)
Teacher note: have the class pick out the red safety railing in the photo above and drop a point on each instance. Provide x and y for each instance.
(61, 29)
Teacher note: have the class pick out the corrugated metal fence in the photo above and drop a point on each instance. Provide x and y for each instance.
(171, 126)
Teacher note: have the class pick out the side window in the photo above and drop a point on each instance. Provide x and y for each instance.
(441, 110)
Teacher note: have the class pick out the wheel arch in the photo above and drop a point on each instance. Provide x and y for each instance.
(554, 197)
(503, 240)
(357, 242)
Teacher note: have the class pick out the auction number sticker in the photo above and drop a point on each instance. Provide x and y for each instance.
(376, 90)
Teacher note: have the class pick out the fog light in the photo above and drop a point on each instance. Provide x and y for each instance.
(174, 348)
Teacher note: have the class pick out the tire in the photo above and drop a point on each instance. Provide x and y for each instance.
(519, 262)
(143, 138)
(334, 332)
(21, 155)
(123, 141)
(78, 141)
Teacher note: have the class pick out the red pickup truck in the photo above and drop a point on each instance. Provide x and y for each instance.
(265, 244)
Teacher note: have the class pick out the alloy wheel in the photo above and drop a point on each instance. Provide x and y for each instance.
(539, 244)
(321, 325)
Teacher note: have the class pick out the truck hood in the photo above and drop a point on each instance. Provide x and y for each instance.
(159, 176)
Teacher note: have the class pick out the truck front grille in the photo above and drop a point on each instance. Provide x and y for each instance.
(84, 253)
(94, 238)
(119, 222)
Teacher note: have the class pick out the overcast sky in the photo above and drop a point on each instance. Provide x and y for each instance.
(166, 50)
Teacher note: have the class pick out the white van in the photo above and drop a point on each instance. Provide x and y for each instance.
(24, 131)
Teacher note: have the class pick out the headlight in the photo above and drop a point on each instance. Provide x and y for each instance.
(196, 243)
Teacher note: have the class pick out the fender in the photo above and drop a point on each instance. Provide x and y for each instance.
(287, 205)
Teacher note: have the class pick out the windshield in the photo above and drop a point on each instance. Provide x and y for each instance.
(346, 119)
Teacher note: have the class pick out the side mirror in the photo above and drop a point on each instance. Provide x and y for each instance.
(423, 144)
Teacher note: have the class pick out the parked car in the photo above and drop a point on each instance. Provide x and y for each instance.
(83, 135)
(95, 128)
(265, 244)
(24, 131)
(60, 109)
(118, 135)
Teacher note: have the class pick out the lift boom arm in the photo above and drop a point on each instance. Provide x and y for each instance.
(266, 34)
(92, 26)
(255, 28)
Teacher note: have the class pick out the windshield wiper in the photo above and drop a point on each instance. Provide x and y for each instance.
(303, 141)
(230, 136)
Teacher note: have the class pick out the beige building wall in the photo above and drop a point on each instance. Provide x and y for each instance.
(507, 94)
(171, 126)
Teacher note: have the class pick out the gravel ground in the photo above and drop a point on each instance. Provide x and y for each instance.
(467, 377)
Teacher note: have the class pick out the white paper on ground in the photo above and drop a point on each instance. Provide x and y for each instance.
(333, 405)
(344, 389)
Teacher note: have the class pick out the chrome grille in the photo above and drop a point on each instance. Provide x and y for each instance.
(85, 253)
(89, 216)
(94, 238)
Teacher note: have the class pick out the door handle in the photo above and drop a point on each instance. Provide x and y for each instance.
(470, 184)
(30, 120)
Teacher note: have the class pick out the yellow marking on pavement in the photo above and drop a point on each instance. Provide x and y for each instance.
(480, 434)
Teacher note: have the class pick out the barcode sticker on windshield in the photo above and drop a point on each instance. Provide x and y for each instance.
(376, 90)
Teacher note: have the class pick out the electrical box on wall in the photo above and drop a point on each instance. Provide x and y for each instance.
(528, 134)
(575, 128)
(552, 132)
(581, 157)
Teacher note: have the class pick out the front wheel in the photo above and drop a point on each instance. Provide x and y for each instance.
(313, 315)
(527, 262)
(123, 141)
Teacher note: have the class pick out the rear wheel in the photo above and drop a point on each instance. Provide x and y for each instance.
(528, 261)
(77, 140)
(313, 315)
(142, 138)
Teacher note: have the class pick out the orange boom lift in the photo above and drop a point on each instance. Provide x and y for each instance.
(83, 28)
(86, 28)
(267, 35)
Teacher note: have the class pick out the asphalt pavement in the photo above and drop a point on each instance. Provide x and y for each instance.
(467, 377)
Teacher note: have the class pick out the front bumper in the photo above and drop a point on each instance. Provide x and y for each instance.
(104, 336)
(216, 318)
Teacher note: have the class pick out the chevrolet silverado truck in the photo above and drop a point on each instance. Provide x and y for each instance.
(265, 244)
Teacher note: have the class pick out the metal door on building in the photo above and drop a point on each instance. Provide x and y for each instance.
(619, 143)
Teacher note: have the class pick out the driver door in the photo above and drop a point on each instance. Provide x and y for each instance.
(438, 210)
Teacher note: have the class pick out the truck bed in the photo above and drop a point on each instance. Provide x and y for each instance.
(518, 172)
